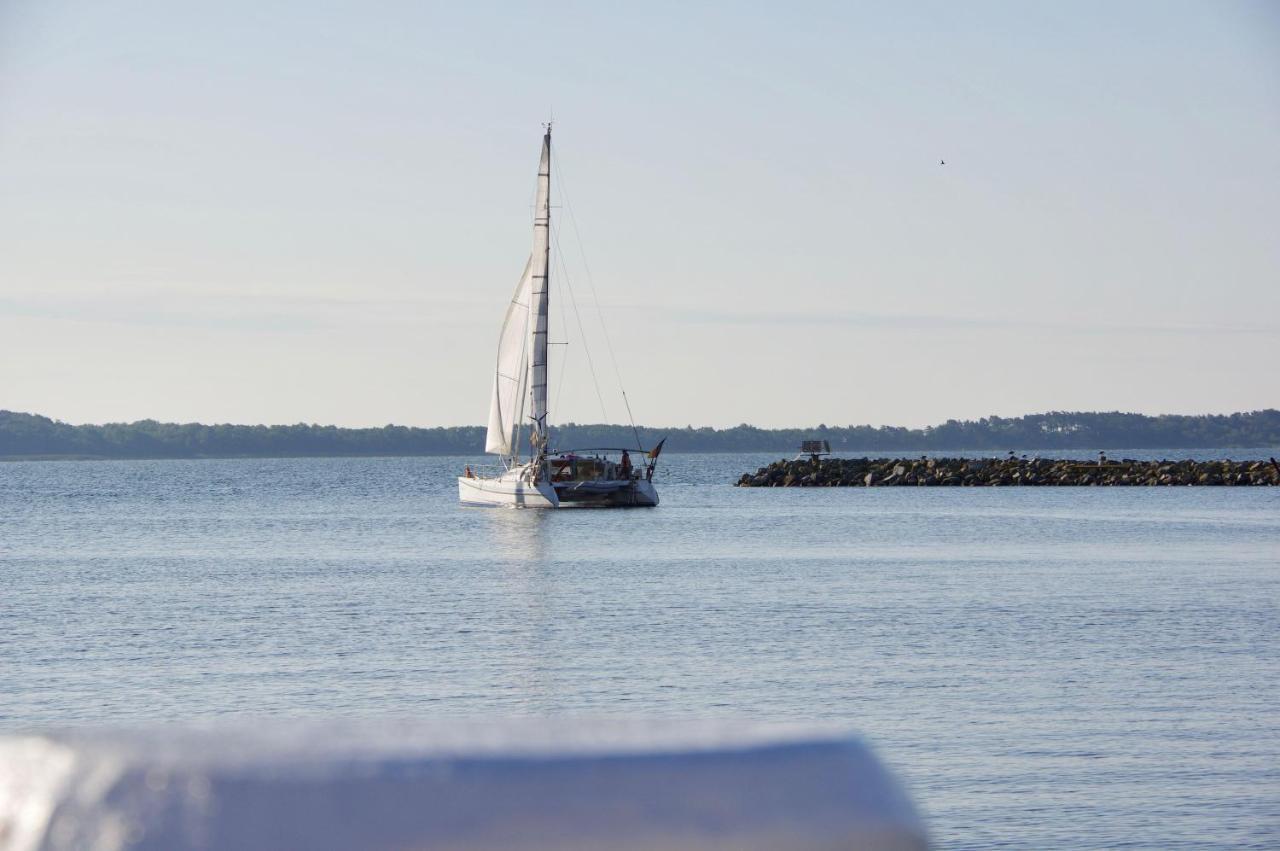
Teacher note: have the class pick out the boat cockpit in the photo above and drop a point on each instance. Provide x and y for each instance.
(591, 465)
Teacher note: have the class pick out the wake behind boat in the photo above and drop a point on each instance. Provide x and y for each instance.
(603, 478)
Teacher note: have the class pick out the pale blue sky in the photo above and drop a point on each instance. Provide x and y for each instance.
(282, 212)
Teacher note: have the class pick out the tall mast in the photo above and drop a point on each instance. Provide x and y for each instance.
(540, 295)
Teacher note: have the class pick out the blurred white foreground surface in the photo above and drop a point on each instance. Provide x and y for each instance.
(526, 783)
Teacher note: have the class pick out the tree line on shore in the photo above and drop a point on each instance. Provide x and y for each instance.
(31, 435)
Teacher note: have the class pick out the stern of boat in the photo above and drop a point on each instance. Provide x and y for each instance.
(635, 493)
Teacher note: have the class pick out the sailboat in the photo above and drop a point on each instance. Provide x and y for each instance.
(604, 478)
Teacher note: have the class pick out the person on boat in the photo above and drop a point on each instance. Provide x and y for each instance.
(469, 474)
(626, 465)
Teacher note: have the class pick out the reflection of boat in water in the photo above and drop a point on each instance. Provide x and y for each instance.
(548, 479)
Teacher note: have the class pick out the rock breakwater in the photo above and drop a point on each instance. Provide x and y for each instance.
(979, 472)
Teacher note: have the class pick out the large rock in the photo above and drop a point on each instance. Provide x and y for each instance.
(1009, 471)
(383, 785)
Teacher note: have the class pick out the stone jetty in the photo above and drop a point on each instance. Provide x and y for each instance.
(976, 472)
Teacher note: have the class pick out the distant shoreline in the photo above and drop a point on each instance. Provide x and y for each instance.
(1087, 453)
(30, 437)
(1246, 453)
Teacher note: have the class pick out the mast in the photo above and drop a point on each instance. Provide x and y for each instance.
(538, 307)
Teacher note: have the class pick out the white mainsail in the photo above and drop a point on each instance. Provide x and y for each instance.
(522, 346)
(511, 381)
(539, 298)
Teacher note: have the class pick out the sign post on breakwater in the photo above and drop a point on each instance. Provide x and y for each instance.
(815, 449)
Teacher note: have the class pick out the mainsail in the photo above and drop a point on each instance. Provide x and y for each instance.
(522, 346)
(511, 382)
(538, 295)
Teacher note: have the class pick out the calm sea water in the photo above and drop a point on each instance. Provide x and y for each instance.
(1045, 668)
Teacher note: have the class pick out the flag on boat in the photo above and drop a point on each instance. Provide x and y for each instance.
(657, 450)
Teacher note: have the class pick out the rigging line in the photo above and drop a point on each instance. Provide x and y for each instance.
(573, 221)
(555, 239)
(564, 324)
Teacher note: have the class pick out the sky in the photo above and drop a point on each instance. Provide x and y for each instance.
(317, 211)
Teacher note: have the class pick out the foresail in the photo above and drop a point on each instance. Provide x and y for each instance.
(510, 383)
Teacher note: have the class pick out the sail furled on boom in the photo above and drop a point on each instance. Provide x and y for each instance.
(511, 381)
(540, 267)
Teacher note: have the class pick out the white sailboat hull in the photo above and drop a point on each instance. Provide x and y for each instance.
(506, 492)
